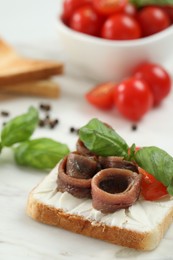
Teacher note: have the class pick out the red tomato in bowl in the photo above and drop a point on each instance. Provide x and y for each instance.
(130, 9)
(133, 98)
(102, 96)
(108, 7)
(152, 20)
(121, 27)
(151, 188)
(86, 20)
(69, 6)
(169, 10)
(157, 78)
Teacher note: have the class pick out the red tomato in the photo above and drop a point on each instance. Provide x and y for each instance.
(157, 78)
(102, 96)
(152, 20)
(86, 20)
(69, 6)
(151, 189)
(169, 10)
(133, 98)
(130, 9)
(108, 7)
(121, 27)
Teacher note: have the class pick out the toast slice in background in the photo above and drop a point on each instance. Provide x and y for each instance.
(15, 69)
(141, 226)
(40, 88)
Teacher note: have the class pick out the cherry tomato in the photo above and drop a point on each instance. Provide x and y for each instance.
(157, 78)
(130, 9)
(121, 27)
(133, 98)
(151, 188)
(86, 20)
(69, 6)
(102, 96)
(108, 7)
(152, 20)
(169, 10)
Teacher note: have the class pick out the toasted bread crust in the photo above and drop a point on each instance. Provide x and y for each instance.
(40, 88)
(119, 236)
(28, 70)
(16, 69)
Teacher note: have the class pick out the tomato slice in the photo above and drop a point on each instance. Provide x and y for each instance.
(102, 95)
(151, 189)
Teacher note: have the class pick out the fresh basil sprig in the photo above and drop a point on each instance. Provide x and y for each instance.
(20, 128)
(102, 140)
(42, 153)
(158, 163)
(140, 3)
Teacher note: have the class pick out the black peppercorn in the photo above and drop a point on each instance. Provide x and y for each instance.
(74, 130)
(4, 113)
(134, 127)
(45, 107)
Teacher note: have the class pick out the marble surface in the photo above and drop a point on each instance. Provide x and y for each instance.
(30, 26)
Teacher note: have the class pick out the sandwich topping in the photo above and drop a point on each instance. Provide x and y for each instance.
(117, 162)
(114, 189)
(76, 171)
(68, 178)
(111, 182)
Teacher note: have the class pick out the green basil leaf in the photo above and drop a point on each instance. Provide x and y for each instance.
(20, 128)
(157, 162)
(140, 3)
(41, 153)
(170, 188)
(0, 146)
(102, 140)
(132, 151)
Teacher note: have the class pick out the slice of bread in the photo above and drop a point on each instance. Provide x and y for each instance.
(141, 226)
(16, 69)
(39, 88)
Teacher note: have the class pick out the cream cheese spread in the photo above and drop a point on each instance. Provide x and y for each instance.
(143, 216)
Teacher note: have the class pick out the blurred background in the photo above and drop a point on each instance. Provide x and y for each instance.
(28, 20)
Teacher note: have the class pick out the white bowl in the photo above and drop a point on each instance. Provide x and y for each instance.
(105, 60)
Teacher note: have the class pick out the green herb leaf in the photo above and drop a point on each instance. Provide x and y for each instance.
(0, 147)
(102, 140)
(132, 151)
(170, 187)
(20, 128)
(42, 153)
(140, 3)
(158, 163)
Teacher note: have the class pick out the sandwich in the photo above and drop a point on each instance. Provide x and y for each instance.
(99, 190)
(23, 76)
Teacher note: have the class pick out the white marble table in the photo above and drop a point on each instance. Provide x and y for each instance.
(30, 26)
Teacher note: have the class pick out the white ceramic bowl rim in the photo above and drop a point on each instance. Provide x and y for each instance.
(122, 43)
